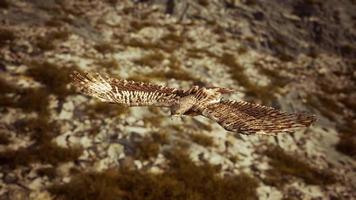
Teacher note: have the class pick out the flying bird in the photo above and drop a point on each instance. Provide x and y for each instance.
(236, 116)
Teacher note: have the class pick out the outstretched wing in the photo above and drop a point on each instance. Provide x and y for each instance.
(130, 93)
(248, 118)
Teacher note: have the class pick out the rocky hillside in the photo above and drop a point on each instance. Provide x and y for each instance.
(293, 55)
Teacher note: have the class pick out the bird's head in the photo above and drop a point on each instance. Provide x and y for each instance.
(182, 106)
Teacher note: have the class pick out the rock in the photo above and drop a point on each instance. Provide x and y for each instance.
(40, 195)
(36, 184)
(86, 142)
(138, 164)
(269, 193)
(115, 150)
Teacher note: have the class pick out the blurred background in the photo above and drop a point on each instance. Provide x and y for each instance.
(293, 55)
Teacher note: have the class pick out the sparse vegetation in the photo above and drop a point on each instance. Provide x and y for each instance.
(108, 64)
(160, 137)
(50, 172)
(202, 139)
(152, 60)
(44, 153)
(285, 165)
(169, 43)
(140, 24)
(29, 100)
(324, 104)
(153, 120)
(6, 36)
(4, 138)
(265, 93)
(347, 142)
(54, 77)
(146, 148)
(104, 48)
(32, 100)
(203, 3)
(183, 180)
(4, 4)
(102, 108)
(347, 145)
(41, 131)
(48, 42)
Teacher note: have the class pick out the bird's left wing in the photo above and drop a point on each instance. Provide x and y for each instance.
(130, 93)
(249, 118)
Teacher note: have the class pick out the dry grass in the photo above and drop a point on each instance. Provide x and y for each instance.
(202, 139)
(182, 180)
(100, 109)
(285, 165)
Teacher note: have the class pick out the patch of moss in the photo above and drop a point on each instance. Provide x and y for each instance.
(215, 186)
(203, 52)
(49, 172)
(29, 99)
(204, 3)
(44, 153)
(347, 145)
(153, 120)
(152, 60)
(48, 42)
(180, 75)
(326, 106)
(54, 22)
(169, 47)
(173, 38)
(6, 87)
(146, 148)
(233, 158)
(108, 64)
(6, 36)
(101, 108)
(160, 137)
(140, 24)
(33, 100)
(4, 4)
(203, 126)
(347, 142)
(43, 150)
(250, 2)
(4, 138)
(277, 80)
(104, 48)
(54, 77)
(45, 45)
(202, 139)
(39, 129)
(287, 165)
(183, 180)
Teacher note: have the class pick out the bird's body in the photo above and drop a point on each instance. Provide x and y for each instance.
(236, 116)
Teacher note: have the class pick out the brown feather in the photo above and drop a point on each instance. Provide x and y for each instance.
(125, 92)
(248, 118)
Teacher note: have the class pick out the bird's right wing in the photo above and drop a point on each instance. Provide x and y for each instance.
(249, 118)
(130, 93)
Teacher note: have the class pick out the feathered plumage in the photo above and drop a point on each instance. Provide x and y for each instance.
(240, 117)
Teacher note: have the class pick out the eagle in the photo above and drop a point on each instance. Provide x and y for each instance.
(236, 116)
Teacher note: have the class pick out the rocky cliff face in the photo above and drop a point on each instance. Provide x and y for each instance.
(293, 55)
